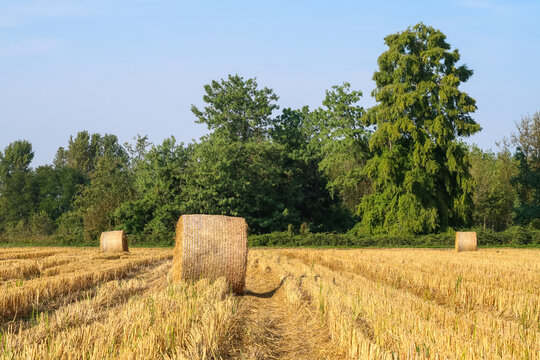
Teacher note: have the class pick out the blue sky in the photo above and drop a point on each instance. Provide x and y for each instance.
(135, 67)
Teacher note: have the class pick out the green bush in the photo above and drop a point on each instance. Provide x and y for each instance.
(70, 228)
(515, 236)
(535, 224)
(41, 224)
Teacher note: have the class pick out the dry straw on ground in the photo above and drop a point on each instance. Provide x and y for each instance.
(302, 304)
(113, 241)
(466, 241)
(211, 246)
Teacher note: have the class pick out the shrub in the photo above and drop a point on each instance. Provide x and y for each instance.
(70, 228)
(41, 224)
(535, 224)
(519, 235)
(512, 237)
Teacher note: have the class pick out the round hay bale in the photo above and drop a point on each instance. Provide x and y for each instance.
(466, 241)
(211, 246)
(113, 241)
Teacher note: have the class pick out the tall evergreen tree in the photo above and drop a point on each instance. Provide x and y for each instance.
(419, 170)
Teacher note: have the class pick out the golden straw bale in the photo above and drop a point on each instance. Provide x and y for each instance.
(466, 241)
(113, 241)
(211, 246)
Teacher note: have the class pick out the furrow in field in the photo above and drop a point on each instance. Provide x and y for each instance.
(267, 326)
(369, 317)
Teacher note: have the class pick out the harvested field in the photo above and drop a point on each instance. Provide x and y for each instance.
(60, 303)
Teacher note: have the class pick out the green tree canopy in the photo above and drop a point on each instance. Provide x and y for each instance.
(110, 186)
(17, 156)
(527, 180)
(85, 150)
(235, 170)
(237, 107)
(159, 182)
(304, 192)
(419, 170)
(238, 179)
(527, 139)
(493, 194)
(342, 140)
(105, 166)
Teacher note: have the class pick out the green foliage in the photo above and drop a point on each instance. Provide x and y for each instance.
(19, 197)
(234, 170)
(419, 169)
(70, 228)
(239, 179)
(527, 139)
(41, 224)
(237, 108)
(527, 183)
(340, 138)
(103, 164)
(17, 230)
(85, 150)
(138, 151)
(305, 194)
(515, 236)
(253, 166)
(31, 200)
(159, 182)
(16, 157)
(57, 189)
(493, 194)
(282, 239)
(110, 186)
(290, 230)
(304, 229)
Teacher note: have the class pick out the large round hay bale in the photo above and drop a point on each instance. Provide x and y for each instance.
(466, 241)
(113, 241)
(211, 246)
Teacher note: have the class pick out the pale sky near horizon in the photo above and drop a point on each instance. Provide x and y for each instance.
(131, 67)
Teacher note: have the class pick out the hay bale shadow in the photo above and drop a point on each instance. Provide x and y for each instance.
(266, 294)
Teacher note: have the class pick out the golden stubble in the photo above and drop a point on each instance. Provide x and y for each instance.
(61, 303)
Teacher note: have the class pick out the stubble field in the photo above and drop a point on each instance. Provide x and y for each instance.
(64, 303)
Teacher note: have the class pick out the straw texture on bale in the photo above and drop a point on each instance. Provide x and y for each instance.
(466, 241)
(211, 246)
(113, 241)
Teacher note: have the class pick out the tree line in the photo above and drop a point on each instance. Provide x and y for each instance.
(399, 167)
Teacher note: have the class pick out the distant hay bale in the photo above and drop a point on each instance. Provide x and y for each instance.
(113, 241)
(211, 246)
(466, 241)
